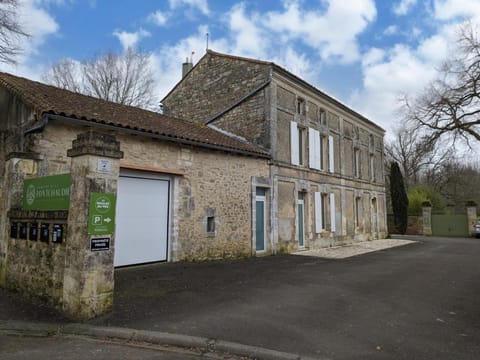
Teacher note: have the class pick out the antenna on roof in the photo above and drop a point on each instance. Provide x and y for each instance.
(206, 35)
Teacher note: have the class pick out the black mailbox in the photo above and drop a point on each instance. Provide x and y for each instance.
(13, 230)
(44, 233)
(22, 234)
(57, 233)
(33, 231)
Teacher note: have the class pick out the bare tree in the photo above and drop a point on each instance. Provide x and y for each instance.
(125, 79)
(415, 154)
(451, 103)
(10, 31)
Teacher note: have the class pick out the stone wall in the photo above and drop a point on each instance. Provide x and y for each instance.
(35, 263)
(211, 181)
(215, 83)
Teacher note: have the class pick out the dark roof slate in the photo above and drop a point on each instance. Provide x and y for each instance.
(46, 99)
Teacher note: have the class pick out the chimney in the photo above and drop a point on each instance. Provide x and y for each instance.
(186, 67)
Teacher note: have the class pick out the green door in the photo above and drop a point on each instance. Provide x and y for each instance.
(301, 232)
(260, 225)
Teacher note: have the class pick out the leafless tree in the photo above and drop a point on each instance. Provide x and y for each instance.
(451, 103)
(416, 154)
(10, 31)
(122, 78)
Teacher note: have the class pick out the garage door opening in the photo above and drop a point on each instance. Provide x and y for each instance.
(142, 218)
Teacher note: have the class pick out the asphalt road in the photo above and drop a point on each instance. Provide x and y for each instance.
(14, 347)
(420, 301)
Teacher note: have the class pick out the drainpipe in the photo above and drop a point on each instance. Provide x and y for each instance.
(35, 129)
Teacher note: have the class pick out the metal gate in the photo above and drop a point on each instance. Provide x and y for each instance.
(450, 225)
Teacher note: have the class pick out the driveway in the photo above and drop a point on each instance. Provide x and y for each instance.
(420, 301)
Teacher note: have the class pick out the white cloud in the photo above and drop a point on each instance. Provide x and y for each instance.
(40, 25)
(248, 38)
(201, 5)
(390, 73)
(451, 9)
(159, 18)
(403, 7)
(130, 39)
(391, 30)
(168, 59)
(331, 32)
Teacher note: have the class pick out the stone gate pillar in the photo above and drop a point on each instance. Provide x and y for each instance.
(88, 277)
(427, 218)
(472, 217)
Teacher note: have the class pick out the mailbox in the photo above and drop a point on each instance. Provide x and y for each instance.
(44, 233)
(22, 234)
(33, 231)
(57, 233)
(13, 230)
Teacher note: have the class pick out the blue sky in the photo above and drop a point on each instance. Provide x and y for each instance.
(366, 53)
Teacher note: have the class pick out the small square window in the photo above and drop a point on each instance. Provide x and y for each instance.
(210, 224)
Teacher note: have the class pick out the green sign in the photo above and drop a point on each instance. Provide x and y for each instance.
(47, 193)
(101, 214)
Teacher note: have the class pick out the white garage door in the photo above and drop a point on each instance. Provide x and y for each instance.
(141, 230)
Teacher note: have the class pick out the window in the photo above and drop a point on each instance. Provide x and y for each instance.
(356, 162)
(372, 167)
(371, 143)
(331, 157)
(297, 135)
(320, 211)
(314, 149)
(358, 207)
(333, 226)
(211, 224)
(323, 151)
(322, 117)
(300, 106)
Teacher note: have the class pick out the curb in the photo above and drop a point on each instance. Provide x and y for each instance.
(151, 337)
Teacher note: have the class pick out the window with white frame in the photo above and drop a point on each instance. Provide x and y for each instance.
(333, 226)
(323, 203)
(331, 155)
(297, 140)
(314, 149)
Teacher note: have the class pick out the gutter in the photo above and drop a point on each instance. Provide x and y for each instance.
(38, 128)
(249, 95)
(89, 123)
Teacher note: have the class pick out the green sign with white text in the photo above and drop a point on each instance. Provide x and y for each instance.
(101, 214)
(47, 193)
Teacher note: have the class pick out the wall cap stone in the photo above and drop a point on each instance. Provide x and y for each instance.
(97, 144)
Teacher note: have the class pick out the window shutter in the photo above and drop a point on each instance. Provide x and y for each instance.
(318, 212)
(332, 212)
(314, 148)
(294, 143)
(331, 155)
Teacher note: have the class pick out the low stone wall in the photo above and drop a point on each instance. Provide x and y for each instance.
(36, 254)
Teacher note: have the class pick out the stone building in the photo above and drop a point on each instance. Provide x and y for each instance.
(183, 191)
(326, 184)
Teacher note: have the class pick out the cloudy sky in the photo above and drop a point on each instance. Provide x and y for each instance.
(366, 53)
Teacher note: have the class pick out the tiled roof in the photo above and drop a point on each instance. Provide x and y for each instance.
(46, 99)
